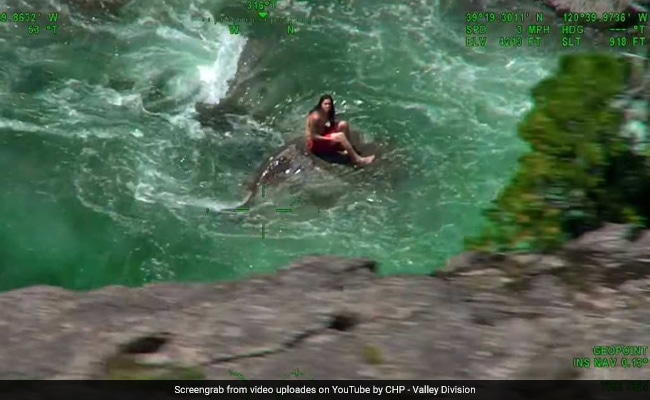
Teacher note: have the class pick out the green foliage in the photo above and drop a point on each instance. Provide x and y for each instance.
(372, 355)
(581, 171)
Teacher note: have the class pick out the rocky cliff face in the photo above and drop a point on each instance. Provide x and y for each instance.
(484, 317)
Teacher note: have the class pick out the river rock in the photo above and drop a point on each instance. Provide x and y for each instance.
(295, 162)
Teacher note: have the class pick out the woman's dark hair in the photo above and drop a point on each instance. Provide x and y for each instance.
(332, 114)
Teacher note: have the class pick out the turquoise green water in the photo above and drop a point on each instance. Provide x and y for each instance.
(107, 181)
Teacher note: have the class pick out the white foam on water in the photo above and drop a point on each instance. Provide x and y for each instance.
(148, 193)
(161, 46)
(78, 109)
(215, 76)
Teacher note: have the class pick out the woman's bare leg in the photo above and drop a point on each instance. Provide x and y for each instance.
(344, 127)
(356, 158)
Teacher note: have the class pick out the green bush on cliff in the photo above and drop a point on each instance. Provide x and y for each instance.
(581, 171)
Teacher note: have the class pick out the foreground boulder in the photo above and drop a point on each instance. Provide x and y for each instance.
(485, 317)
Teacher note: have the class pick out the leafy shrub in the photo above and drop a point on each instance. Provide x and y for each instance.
(581, 171)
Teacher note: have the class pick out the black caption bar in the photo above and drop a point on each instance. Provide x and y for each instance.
(321, 389)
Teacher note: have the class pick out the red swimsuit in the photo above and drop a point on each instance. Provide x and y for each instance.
(325, 146)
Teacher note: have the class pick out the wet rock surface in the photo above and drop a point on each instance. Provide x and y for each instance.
(483, 317)
(295, 163)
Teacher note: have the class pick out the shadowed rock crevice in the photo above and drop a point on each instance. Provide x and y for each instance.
(144, 358)
(145, 345)
(343, 322)
(289, 343)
